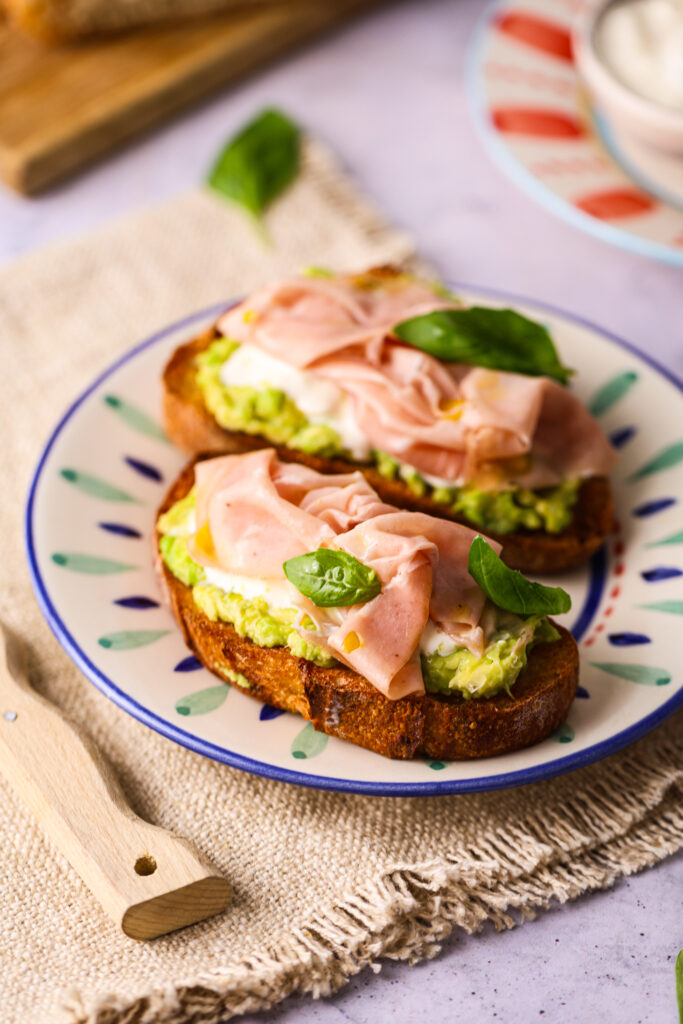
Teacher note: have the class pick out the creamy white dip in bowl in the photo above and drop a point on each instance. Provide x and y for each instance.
(630, 55)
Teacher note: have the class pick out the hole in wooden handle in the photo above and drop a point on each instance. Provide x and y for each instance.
(145, 865)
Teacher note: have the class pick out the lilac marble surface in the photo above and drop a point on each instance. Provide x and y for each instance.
(387, 94)
(607, 958)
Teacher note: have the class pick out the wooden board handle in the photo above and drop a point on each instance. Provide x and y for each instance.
(147, 879)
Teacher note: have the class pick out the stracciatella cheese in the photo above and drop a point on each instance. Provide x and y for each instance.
(320, 400)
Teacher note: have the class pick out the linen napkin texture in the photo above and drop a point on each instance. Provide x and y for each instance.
(325, 883)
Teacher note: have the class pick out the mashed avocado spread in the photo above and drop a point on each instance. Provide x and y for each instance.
(458, 671)
(268, 412)
(272, 414)
(503, 659)
(255, 619)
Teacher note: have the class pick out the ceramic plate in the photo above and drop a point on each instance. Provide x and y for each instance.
(91, 514)
(538, 122)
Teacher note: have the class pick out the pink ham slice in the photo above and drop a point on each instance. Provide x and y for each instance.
(306, 319)
(533, 431)
(254, 512)
(251, 529)
(399, 405)
(260, 511)
(509, 415)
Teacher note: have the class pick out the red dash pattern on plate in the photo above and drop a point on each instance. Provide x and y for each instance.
(537, 122)
(612, 204)
(540, 33)
(618, 549)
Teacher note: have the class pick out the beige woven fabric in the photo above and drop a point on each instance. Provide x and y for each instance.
(324, 883)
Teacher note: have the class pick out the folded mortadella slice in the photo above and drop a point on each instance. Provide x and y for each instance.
(401, 547)
(510, 415)
(255, 512)
(243, 524)
(456, 423)
(305, 319)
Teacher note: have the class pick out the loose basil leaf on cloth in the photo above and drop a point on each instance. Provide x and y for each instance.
(679, 984)
(332, 579)
(259, 163)
(508, 588)
(499, 339)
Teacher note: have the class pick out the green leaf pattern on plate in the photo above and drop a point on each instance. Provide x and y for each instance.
(672, 607)
(645, 675)
(673, 538)
(668, 457)
(129, 639)
(611, 392)
(563, 734)
(136, 418)
(91, 565)
(308, 743)
(95, 487)
(203, 701)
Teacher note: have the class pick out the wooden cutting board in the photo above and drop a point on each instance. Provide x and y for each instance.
(60, 108)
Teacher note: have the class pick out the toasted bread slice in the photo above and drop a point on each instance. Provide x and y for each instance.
(191, 426)
(342, 703)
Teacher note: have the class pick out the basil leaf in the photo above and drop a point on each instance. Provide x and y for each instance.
(259, 163)
(679, 984)
(499, 339)
(508, 588)
(332, 579)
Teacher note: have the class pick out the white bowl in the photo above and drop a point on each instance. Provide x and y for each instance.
(647, 120)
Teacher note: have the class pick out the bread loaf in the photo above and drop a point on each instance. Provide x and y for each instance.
(59, 20)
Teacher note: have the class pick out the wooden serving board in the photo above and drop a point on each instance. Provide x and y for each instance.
(62, 107)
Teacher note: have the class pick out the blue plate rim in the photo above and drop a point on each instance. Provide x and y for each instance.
(525, 180)
(444, 787)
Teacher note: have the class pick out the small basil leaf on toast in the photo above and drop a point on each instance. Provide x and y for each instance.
(508, 588)
(497, 339)
(332, 579)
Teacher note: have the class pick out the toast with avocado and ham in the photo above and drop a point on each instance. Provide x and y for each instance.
(398, 631)
(459, 413)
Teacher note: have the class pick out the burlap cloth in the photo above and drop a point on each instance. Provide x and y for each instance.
(324, 883)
